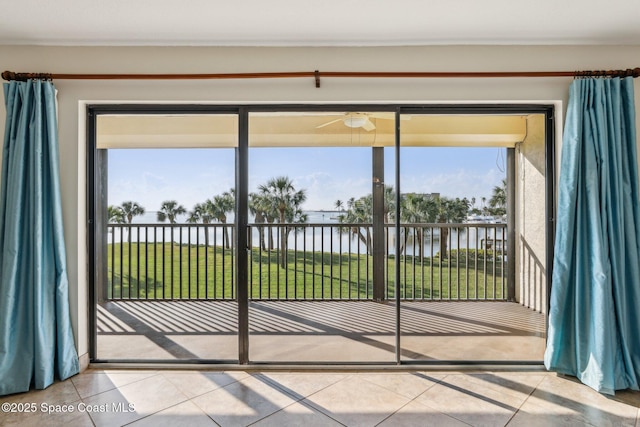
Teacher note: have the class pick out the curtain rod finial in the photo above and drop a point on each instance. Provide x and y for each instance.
(23, 77)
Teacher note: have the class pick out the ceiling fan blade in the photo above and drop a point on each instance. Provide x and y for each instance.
(388, 116)
(329, 123)
(368, 126)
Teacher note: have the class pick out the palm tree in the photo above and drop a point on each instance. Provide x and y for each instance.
(115, 215)
(418, 208)
(257, 207)
(339, 205)
(351, 202)
(294, 215)
(282, 198)
(389, 203)
(359, 211)
(498, 200)
(202, 212)
(221, 205)
(129, 210)
(450, 210)
(265, 212)
(170, 209)
(194, 216)
(473, 209)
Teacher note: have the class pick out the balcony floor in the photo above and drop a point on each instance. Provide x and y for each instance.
(320, 331)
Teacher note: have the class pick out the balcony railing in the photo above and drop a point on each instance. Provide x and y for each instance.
(318, 262)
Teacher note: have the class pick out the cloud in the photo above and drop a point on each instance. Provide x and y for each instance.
(152, 189)
(460, 183)
(323, 189)
(325, 177)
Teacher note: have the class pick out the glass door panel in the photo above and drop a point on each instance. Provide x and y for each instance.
(455, 299)
(168, 278)
(319, 227)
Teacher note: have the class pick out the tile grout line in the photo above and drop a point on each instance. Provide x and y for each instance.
(396, 411)
(70, 379)
(148, 415)
(209, 391)
(525, 400)
(284, 389)
(203, 411)
(401, 395)
(168, 407)
(111, 389)
(416, 397)
(411, 399)
(466, 374)
(273, 385)
(81, 398)
(303, 404)
(249, 374)
(300, 400)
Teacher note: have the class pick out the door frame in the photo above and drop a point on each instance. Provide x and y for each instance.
(96, 174)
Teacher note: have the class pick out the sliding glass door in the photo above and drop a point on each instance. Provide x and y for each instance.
(312, 234)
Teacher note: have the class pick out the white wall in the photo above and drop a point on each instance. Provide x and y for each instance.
(220, 60)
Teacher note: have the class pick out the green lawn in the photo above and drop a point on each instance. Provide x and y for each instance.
(167, 271)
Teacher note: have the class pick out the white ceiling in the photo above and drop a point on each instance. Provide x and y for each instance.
(319, 22)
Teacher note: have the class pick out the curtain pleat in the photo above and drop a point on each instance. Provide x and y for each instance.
(36, 339)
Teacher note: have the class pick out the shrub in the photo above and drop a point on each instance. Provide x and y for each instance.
(470, 255)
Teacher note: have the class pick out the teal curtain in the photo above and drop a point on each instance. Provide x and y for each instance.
(594, 317)
(36, 340)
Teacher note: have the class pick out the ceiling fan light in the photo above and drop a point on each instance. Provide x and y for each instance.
(355, 121)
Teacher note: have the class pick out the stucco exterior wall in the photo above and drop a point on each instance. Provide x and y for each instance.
(531, 270)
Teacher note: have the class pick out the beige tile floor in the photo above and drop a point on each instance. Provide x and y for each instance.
(328, 398)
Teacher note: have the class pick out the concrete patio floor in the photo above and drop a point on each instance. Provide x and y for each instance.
(320, 331)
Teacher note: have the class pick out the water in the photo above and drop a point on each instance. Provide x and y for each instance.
(317, 238)
(325, 217)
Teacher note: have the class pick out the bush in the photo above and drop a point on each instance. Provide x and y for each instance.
(470, 255)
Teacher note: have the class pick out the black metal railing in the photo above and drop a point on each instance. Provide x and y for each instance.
(177, 261)
(306, 261)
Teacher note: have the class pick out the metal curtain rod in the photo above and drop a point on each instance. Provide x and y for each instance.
(635, 72)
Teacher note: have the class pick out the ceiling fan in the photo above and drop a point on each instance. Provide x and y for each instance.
(359, 120)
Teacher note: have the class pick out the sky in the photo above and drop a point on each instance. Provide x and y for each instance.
(190, 176)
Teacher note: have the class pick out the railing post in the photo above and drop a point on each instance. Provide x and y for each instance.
(378, 223)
